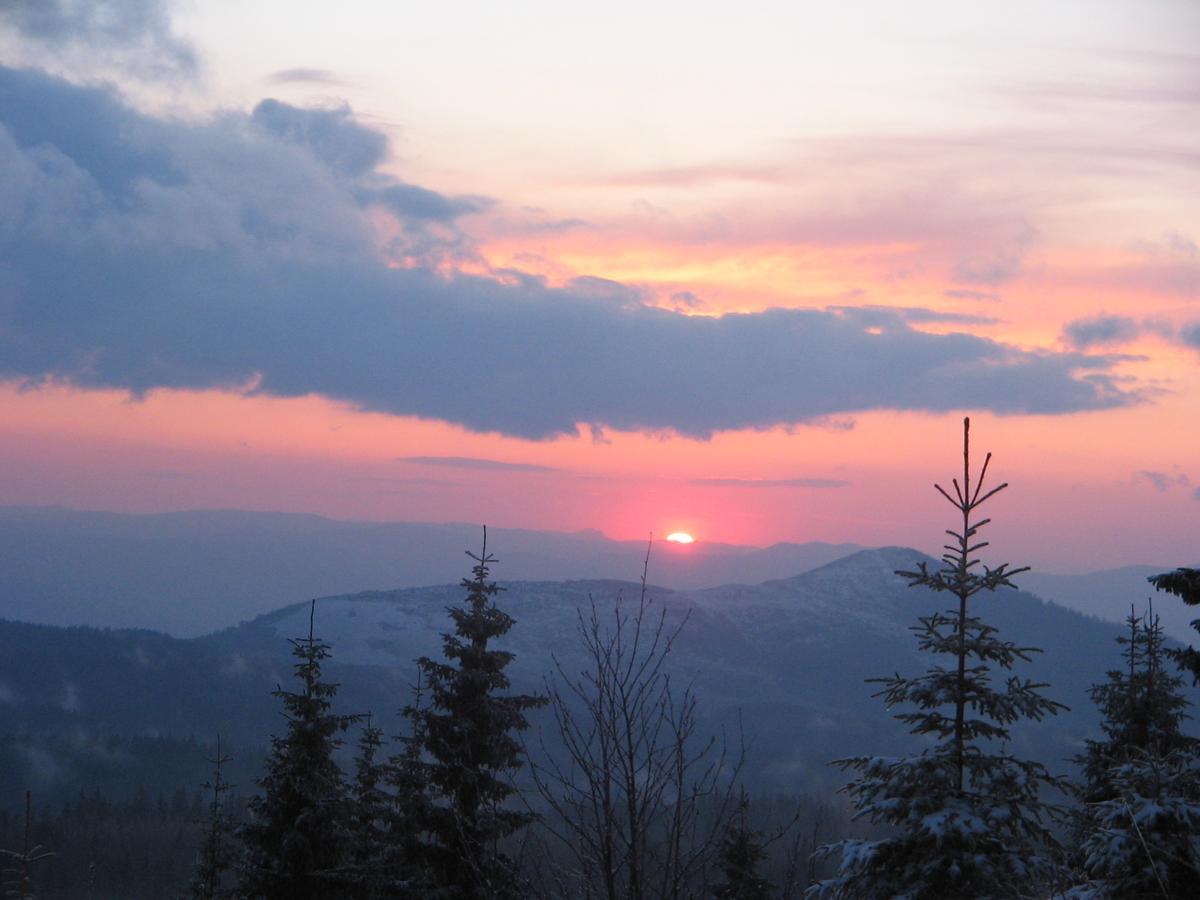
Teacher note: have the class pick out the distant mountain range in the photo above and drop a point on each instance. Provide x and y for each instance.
(1111, 593)
(788, 657)
(189, 573)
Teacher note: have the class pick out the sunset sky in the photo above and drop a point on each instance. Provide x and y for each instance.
(732, 269)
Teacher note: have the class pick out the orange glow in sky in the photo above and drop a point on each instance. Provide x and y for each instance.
(1020, 179)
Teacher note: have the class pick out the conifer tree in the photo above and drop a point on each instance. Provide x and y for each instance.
(742, 852)
(407, 858)
(964, 817)
(468, 740)
(1145, 841)
(1142, 819)
(1184, 584)
(364, 872)
(216, 858)
(1141, 707)
(18, 878)
(296, 839)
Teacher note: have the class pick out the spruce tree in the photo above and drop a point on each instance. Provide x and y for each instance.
(1184, 584)
(1145, 841)
(364, 872)
(468, 746)
(742, 852)
(963, 817)
(1141, 707)
(1116, 699)
(410, 809)
(215, 861)
(296, 839)
(18, 877)
(1142, 818)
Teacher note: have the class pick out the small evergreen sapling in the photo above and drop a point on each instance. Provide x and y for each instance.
(470, 751)
(18, 878)
(217, 856)
(964, 817)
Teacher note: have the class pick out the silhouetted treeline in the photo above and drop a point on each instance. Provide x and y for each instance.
(142, 848)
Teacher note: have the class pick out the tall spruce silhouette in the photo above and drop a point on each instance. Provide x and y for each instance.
(467, 730)
(964, 817)
(296, 840)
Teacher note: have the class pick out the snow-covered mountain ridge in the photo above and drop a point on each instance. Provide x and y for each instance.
(787, 658)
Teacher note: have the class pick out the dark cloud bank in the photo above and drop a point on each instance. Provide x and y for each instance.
(138, 253)
(1109, 330)
(1101, 330)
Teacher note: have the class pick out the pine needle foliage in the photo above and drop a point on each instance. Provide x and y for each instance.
(1184, 584)
(364, 874)
(411, 811)
(1142, 708)
(469, 746)
(296, 839)
(964, 818)
(1142, 818)
(1145, 841)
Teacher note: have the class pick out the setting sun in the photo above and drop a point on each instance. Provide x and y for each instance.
(680, 537)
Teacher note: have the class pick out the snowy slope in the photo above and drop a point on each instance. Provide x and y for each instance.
(788, 657)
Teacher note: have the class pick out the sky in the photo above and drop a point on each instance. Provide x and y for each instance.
(735, 270)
